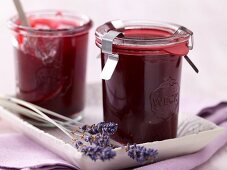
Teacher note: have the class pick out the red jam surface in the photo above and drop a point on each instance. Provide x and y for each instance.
(142, 95)
(51, 69)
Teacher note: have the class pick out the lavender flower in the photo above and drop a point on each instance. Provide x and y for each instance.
(99, 143)
(99, 146)
(97, 152)
(98, 140)
(102, 140)
(78, 144)
(107, 153)
(89, 138)
(103, 127)
(107, 128)
(142, 154)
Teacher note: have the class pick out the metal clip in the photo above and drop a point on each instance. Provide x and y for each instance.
(191, 41)
(190, 45)
(112, 60)
(191, 64)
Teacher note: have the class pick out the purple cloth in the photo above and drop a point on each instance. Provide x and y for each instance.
(17, 151)
(216, 114)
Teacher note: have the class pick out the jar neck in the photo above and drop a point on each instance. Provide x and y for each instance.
(145, 38)
(51, 23)
(179, 49)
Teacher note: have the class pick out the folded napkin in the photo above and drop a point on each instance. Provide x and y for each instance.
(218, 115)
(19, 152)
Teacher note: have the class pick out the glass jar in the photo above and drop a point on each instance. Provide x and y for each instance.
(50, 58)
(142, 95)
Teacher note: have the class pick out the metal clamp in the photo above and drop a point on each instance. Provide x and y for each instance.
(190, 45)
(191, 41)
(107, 48)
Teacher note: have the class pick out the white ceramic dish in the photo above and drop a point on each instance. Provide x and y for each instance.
(194, 133)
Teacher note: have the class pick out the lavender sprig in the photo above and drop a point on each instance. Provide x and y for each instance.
(99, 146)
(142, 154)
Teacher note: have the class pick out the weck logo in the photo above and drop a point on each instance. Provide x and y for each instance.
(164, 100)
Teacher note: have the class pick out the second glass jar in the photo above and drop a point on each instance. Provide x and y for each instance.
(51, 55)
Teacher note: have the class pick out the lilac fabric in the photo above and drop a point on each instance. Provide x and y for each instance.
(18, 152)
(216, 114)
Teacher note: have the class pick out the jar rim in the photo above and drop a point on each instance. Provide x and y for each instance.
(85, 23)
(179, 34)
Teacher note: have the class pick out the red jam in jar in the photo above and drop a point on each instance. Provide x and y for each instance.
(142, 95)
(50, 58)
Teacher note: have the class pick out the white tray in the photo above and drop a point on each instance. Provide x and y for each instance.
(194, 133)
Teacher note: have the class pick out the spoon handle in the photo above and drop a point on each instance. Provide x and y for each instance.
(21, 13)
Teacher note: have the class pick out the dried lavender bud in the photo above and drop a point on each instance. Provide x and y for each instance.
(101, 140)
(78, 144)
(90, 129)
(142, 154)
(89, 138)
(92, 152)
(107, 154)
(93, 129)
(104, 128)
(84, 127)
(98, 140)
(109, 128)
(97, 152)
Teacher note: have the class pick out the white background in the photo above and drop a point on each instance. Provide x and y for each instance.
(206, 18)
